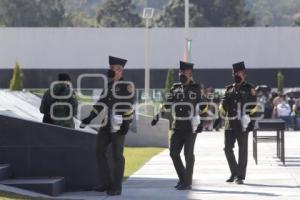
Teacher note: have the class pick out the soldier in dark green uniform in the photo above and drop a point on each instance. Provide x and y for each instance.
(59, 103)
(183, 99)
(118, 106)
(239, 115)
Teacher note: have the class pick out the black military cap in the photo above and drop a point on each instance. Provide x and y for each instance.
(117, 61)
(238, 66)
(186, 65)
(64, 77)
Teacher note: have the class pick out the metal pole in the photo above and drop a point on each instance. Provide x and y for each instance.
(186, 19)
(147, 71)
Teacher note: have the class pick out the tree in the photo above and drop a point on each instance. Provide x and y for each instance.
(51, 13)
(297, 19)
(16, 83)
(118, 13)
(280, 81)
(228, 13)
(172, 15)
(274, 12)
(78, 19)
(32, 13)
(205, 13)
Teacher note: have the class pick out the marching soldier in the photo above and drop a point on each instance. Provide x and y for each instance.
(239, 121)
(183, 99)
(62, 94)
(117, 103)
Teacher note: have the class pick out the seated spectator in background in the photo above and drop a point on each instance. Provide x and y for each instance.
(263, 98)
(283, 111)
(296, 110)
(291, 100)
(273, 96)
(59, 103)
(276, 100)
(268, 109)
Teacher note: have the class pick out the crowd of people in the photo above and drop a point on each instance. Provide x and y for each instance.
(283, 106)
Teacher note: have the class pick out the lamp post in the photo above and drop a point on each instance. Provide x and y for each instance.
(186, 19)
(187, 41)
(147, 15)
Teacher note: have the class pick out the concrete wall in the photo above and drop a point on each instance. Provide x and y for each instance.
(260, 47)
(218, 78)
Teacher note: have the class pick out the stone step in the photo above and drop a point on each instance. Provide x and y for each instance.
(4, 171)
(50, 186)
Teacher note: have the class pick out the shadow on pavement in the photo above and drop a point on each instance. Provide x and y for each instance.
(272, 186)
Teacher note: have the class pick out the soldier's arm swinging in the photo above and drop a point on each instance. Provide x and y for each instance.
(94, 113)
(203, 109)
(223, 108)
(166, 106)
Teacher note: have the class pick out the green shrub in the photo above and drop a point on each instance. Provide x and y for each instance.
(16, 83)
(169, 80)
(280, 81)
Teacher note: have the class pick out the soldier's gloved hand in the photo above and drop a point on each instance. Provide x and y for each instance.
(85, 122)
(199, 128)
(155, 120)
(250, 127)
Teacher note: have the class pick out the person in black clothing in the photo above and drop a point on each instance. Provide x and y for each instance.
(59, 103)
(118, 107)
(238, 121)
(185, 126)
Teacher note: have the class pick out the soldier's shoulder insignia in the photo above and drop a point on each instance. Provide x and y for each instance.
(129, 88)
(176, 85)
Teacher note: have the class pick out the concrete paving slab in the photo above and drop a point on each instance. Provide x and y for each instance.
(267, 180)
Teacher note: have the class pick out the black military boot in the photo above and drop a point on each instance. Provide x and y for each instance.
(178, 184)
(101, 188)
(184, 187)
(112, 192)
(231, 179)
(239, 181)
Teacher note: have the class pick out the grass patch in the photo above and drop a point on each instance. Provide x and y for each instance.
(136, 157)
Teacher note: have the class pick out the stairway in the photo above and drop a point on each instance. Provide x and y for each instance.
(4, 171)
(52, 186)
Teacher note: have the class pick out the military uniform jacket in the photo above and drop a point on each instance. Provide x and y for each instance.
(232, 105)
(183, 101)
(119, 99)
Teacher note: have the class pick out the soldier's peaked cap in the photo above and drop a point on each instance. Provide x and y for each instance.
(116, 61)
(185, 65)
(238, 66)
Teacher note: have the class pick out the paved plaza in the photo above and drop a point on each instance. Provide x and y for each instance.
(267, 180)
